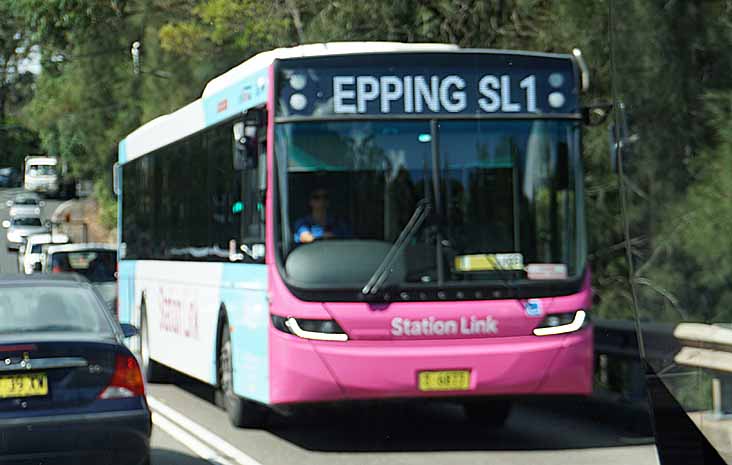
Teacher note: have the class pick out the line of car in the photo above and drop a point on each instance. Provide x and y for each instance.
(40, 249)
(71, 391)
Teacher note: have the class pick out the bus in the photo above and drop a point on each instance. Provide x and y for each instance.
(364, 221)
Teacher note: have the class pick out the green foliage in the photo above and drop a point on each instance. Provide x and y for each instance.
(16, 87)
(669, 62)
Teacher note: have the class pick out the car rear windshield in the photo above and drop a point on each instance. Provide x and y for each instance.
(47, 308)
(27, 222)
(95, 265)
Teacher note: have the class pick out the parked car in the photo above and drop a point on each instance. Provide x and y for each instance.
(68, 382)
(32, 259)
(20, 226)
(9, 177)
(96, 262)
(24, 204)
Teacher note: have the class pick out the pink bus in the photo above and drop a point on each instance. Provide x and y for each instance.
(349, 221)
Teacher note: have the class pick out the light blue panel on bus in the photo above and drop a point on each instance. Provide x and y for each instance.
(126, 290)
(122, 151)
(244, 293)
(238, 98)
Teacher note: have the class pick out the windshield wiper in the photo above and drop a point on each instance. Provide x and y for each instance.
(384, 269)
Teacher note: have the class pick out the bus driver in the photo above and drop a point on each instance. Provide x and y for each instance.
(318, 224)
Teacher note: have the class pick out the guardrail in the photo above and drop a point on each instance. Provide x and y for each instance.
(709, 347)
(616, 344)
(696, 345)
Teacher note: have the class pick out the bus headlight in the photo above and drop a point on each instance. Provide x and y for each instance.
(319, 330)
(561, 323)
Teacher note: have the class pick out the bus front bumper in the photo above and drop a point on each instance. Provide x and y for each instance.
(317, 371)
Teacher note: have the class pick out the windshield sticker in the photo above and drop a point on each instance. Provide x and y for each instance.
(546, 271)
(431, 326)
(533, 308)
(490, 262)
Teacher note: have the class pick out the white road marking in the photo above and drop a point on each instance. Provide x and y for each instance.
(185, 438)
(211, 439)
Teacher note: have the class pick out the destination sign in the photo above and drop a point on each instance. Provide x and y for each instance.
(495, 84)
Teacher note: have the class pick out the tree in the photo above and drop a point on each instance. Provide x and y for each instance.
(16, 83)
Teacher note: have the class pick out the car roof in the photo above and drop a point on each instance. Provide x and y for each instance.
(46, 238)
(27, 215)
(23, 195)
(40, 278)
(79, 247)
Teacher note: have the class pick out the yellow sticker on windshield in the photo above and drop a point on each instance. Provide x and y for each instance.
(489, 262)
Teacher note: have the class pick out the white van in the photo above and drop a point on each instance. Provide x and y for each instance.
(41, 175)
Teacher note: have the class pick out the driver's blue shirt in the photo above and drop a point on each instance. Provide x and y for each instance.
(308, 224)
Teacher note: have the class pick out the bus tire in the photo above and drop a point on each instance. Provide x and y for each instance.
(242, 412)
(153, 371)
(492, 413)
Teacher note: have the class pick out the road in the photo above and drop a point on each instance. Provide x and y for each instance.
(191, 430)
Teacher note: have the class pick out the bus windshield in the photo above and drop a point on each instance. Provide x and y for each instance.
(502, 196)
(42, 170)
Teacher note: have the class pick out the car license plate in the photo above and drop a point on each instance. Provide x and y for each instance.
(23, 385)
(454, 380)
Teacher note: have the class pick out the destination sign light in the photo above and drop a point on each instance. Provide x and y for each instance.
(495, 84)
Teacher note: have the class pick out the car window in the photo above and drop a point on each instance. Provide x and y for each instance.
(95, 265)
(51, 308)
(27, 222)
(26, 201)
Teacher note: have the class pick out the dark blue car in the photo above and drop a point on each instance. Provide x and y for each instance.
(70, 391)
(9, 177)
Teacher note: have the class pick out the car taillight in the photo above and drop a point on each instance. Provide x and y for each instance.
(126, 380)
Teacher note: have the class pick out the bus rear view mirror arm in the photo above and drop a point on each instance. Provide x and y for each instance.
(596, 113)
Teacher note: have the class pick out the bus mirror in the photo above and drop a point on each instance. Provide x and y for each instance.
(613, 145)
(115, 178)
(262, 172)
(620, 138)
(245, 147)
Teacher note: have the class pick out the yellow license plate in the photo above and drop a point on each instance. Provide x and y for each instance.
(23, 385)
(454, 380)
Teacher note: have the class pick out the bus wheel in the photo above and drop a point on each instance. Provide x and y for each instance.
(241, 412)
(151, 370)
(487, 412)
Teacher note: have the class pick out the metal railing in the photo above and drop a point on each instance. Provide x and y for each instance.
(709, 347)
(616, 350)
(695, 345)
